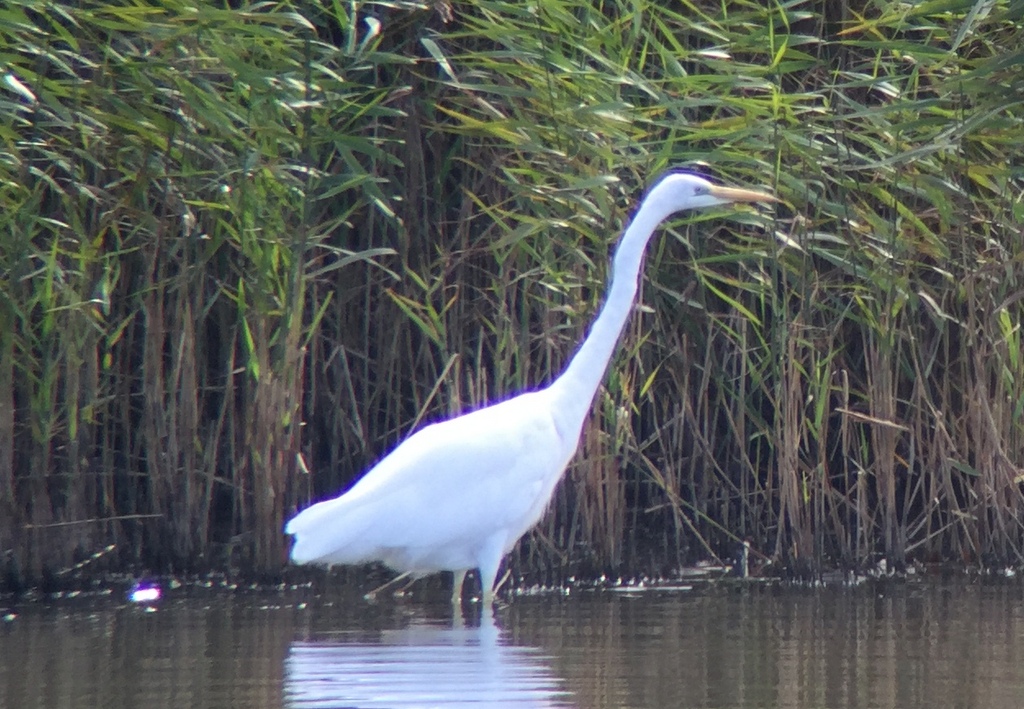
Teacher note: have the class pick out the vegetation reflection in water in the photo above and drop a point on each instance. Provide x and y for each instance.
(881, 644)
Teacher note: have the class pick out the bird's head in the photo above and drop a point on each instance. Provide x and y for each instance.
(678, 191)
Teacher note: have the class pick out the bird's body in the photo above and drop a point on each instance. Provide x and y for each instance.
(503, 469)
(458, 494)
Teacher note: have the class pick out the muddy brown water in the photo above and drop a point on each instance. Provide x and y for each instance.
(896, 644)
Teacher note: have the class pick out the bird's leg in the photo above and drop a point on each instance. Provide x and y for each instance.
(490, 560)
(491, 594)
(405, 587)
(373, 594)
(458, 578)
(504, 578)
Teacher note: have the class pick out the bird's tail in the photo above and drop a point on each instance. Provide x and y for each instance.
(329, 532)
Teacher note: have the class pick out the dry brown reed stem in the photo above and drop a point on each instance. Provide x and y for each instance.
(884, 430)
(794, 540)
(8, 509)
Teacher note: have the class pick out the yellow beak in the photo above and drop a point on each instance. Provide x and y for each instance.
(734, 194)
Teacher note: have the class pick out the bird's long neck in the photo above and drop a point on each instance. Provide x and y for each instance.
(576, 387)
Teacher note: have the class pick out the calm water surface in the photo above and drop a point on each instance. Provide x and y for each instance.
(913, 644)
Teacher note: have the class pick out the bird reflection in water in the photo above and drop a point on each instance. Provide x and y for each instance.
(423, 664)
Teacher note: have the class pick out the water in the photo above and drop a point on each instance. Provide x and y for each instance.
(913, 644)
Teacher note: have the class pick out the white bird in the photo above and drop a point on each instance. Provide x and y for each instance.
(457, 495)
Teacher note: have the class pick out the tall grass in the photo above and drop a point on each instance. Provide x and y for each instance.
(243, 244)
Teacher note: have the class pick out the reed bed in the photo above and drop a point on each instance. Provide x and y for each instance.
(246, 250)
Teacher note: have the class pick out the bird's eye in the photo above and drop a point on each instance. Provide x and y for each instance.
(700, 189)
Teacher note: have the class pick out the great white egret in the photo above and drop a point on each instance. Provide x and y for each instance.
(458, 494)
